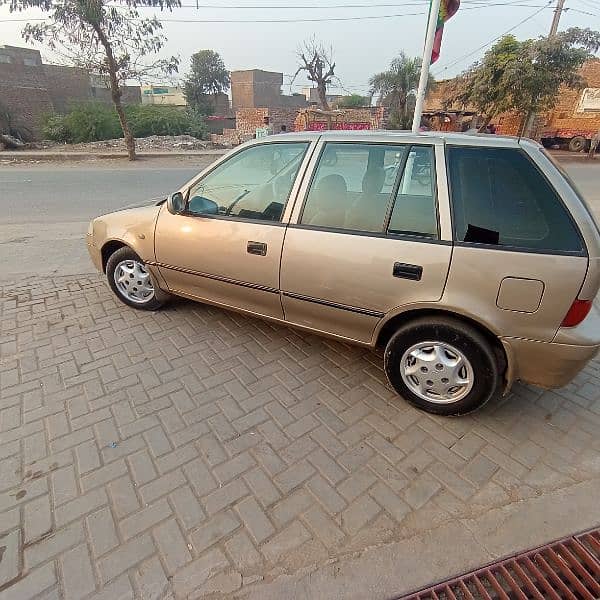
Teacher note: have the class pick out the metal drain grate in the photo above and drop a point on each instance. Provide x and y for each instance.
(565, 570)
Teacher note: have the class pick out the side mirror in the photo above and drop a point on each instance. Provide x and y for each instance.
(176, 203)
(199, 205)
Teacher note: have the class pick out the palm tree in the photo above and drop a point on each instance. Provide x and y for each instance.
(396, 85)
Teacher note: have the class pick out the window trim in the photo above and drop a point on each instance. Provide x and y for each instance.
(186, 213)
(384, 233)
(548, 252)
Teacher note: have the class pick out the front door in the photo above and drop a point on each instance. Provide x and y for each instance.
(226, 247)
(366, 239)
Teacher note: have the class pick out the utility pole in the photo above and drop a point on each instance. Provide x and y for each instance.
(560, 7)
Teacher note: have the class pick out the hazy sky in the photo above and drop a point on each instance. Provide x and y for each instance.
(361, 47)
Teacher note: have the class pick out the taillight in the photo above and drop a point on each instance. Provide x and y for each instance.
(578, 312)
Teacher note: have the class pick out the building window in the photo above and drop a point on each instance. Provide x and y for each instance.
(5, 58)
(30, 62)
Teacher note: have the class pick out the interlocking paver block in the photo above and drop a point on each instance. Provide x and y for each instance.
(255, 520)
(77, 573)
(195, 440)
(216, 528)
(10, 549)
(285, 541)
(171, 545)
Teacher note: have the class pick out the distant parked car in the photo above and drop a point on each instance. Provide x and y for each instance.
(471, 259)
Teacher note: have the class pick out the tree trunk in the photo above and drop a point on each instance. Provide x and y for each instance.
(115, 91)
(322, 93)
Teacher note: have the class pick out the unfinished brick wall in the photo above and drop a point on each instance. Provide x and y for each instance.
(375, 117)
(567, 114)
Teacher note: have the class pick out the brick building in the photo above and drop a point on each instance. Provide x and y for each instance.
(256, 88)
(577, 112)
(301, 119)
(29, 88)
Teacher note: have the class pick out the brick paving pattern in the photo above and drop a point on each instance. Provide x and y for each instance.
(194, 450)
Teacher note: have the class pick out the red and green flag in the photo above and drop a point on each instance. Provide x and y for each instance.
(448, 9)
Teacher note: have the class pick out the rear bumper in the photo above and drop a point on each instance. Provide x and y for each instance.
(554, 364)
(547, 364)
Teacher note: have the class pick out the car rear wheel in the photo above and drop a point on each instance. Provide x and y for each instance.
(442, 366)
(131, 281)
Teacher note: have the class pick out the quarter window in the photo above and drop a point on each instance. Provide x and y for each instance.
(253, 184)
(415, 211)
(500, 198)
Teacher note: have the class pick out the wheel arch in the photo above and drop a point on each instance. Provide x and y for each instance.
(110, 247)
(394, 322)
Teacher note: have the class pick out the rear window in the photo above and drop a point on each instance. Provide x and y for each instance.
(500, 198)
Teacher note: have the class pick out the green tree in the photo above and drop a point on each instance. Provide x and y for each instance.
(108, 39)
(526, 76)
(396, 86)
(208, 77)
(354, 101)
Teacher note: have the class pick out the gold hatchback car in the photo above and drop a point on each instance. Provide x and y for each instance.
(471, 259)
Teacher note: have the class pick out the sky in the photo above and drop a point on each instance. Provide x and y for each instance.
(365, 37)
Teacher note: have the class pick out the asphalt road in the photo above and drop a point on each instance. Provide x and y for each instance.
(45, 208)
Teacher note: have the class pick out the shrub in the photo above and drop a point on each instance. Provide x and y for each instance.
(91, 121)
(55, 128)
(94, 121)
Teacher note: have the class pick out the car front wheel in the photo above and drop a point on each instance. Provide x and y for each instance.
(442, 366)
(131, 281)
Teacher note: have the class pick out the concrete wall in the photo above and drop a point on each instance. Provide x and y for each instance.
(23, 87)
(66, 85)
(30, 89)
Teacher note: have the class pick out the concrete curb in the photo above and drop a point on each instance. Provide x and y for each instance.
(29, 156)
(454, 547)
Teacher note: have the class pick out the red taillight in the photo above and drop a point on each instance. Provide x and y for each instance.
(578, 312)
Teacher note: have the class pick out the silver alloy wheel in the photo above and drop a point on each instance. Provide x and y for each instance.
(437, 372)
(133, 281)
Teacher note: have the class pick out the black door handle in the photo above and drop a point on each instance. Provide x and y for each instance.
(258, 248)
(406, 271)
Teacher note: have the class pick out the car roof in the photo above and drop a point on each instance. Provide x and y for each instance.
(381, 135)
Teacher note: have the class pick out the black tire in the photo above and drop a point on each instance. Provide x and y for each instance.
(577, 144)
(487, 378)
(125, 253)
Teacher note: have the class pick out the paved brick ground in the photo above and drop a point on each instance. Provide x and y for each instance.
(174, 454)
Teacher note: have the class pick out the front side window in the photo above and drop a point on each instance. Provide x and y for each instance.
(355, 187)
(500, 198)
(253, 184)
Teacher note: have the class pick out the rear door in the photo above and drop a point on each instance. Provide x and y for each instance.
(366, 237)
(519, 259)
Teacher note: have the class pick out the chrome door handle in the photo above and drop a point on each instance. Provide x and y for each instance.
(258, 248)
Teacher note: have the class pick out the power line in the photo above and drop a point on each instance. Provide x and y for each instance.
(583, 12)
(465, 56)
(308, 20)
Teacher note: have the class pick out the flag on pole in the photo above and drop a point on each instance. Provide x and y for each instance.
(448, 9)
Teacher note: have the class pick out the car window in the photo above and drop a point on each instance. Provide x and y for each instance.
(500, 198)
(255, 183)
(352, 185)
(415, 210)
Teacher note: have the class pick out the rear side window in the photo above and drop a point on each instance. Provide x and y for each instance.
(500, 198)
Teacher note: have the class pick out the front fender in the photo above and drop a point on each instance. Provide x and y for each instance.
(133, 227)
